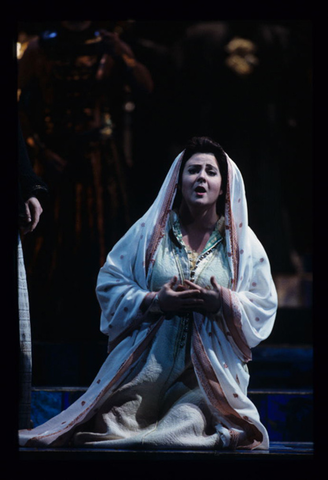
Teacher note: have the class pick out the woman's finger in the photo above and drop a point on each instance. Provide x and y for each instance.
(173, 281)
(180, 288)
(193, 285)
(215, 283)
(193, 301)
(190, 293)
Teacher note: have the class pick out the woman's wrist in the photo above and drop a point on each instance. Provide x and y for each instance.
(155, 306)
(218, 310)
(147, 301)
(151, 303)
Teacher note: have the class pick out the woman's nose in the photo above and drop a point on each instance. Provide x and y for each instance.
(201, 175)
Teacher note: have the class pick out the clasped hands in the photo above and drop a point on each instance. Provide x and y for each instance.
(189, 297)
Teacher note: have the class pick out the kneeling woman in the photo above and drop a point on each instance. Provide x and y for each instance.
(185, 295)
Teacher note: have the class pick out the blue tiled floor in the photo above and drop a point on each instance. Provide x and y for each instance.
(287, 415)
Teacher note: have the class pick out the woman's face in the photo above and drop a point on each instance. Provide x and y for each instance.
(201, 181)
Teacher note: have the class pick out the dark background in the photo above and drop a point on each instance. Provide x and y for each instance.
(262, 120)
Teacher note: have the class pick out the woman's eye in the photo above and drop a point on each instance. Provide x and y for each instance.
(195, 170)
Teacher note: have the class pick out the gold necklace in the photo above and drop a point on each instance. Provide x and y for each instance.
(193, 256)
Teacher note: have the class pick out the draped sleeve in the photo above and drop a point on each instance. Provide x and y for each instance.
(121, 286)
(257, 298)
(248, 313)
(249, 307)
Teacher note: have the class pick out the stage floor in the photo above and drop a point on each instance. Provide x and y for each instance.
(277, 450)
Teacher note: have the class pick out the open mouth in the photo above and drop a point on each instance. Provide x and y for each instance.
(200, 190)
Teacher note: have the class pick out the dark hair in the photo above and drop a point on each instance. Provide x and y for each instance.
(206, 145)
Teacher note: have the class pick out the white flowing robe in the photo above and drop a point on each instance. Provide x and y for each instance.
(220, 345)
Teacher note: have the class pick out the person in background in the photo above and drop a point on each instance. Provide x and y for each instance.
(74, 82)
(32, 193)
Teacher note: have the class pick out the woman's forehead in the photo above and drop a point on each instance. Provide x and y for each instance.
(203, 159)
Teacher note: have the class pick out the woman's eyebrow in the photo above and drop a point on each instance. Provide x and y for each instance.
(200, 165)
